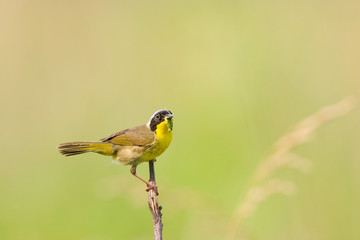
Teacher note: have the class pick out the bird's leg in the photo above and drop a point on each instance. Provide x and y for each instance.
(150, 185)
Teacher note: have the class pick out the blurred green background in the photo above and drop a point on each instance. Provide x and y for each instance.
(236, 74)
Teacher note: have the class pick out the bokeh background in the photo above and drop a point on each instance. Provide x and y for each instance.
(236, 74)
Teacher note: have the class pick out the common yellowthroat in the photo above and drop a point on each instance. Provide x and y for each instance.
(131, 146)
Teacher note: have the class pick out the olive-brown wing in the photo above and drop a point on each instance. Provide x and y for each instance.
(137, 136)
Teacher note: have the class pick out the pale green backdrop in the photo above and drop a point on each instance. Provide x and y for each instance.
(236, 74)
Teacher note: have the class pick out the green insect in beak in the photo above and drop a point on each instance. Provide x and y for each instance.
(169, 123)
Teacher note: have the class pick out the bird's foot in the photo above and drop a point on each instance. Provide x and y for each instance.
(153, 187)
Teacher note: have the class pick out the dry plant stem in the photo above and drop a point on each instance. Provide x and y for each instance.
(302, 133)
(154, 206)
(280, 157)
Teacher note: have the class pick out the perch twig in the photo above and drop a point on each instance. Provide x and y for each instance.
(154, 206)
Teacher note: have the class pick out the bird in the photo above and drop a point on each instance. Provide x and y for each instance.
(131, 146)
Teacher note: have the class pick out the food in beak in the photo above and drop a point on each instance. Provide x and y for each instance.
(169, 123)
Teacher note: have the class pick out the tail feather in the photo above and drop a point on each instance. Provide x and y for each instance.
(75, 148)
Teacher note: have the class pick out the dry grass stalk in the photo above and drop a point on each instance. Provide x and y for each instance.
(303, 132)
(256, 195)
(281, 157)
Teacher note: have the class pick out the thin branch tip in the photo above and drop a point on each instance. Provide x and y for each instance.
(154, 205)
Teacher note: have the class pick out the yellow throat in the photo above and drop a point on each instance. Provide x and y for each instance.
(163, 135)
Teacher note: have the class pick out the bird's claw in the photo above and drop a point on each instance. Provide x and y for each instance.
(153, 187)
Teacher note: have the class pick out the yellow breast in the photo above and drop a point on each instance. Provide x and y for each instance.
(161, 143)
(163, 136)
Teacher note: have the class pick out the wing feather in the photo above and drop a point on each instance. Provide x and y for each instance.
(137, 136)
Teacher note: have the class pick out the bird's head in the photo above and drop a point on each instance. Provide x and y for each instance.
(159, 117)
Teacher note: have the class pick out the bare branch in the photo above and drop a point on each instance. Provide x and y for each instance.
(154, 206)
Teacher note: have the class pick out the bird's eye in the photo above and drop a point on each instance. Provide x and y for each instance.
(157, 116)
